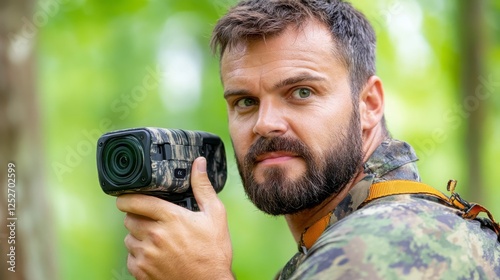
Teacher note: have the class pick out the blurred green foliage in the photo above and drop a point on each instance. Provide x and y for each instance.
(104, 65)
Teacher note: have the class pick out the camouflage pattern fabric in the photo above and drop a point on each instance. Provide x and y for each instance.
(185, 146)
(397, 237)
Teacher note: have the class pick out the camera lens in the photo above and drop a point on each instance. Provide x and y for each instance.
(123, 159)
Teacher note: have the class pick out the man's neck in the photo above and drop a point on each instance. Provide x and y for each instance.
(297, 223)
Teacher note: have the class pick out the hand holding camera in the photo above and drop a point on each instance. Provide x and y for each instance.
(186, 168)
(170, 242)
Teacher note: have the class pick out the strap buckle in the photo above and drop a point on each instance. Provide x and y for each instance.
(470, 210)
(455, 198)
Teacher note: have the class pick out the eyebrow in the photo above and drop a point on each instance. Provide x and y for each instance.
(303, 77)
(237, 92)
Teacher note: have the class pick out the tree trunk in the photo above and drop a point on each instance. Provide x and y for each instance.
(26, 230)
(472, 42)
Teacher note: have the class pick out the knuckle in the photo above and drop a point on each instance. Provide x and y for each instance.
(128, 240)
(140, 263)
(157, 238)
(132, 266)
(137, 268)
(127, 221)
(150, 257)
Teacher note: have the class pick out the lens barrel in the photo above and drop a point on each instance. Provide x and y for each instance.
(124, 158)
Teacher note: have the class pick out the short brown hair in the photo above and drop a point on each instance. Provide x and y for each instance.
(353, 34)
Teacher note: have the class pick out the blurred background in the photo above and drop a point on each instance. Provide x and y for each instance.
(71, 70)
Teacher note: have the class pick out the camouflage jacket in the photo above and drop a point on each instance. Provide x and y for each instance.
(399, 236)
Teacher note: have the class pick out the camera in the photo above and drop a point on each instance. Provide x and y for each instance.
(157, 162)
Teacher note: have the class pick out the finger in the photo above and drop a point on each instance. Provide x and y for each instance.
(138, 225)
(145, 205)
(134, 267)
(131, 243)
(203, 190)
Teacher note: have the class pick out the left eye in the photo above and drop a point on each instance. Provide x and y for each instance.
(301, 93)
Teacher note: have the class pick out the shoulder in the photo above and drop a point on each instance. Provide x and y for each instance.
(403, 236)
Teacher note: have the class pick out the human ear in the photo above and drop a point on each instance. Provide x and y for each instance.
(371, 103)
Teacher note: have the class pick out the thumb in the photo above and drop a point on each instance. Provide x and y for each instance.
(203, 190)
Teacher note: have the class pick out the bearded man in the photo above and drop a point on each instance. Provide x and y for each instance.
(306, 119)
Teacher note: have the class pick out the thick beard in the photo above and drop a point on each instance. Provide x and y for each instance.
(325, 175)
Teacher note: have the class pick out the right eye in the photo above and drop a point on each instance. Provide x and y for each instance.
(246, 102)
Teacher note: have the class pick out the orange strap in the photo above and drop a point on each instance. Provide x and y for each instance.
(312, 233)
(394, 187)
(387, 188)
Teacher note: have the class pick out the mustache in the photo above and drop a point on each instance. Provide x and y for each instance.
(268, 145)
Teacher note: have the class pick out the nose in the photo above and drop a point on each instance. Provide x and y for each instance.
(271, 120)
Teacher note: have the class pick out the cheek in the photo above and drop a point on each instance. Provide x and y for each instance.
(240, 139)
(320, 132)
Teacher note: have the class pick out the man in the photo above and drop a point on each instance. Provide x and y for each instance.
(306, 121)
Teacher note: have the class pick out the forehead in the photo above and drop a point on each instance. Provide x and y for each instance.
(309, 47)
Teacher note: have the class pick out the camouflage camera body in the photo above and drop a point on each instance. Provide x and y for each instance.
(158, 161)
